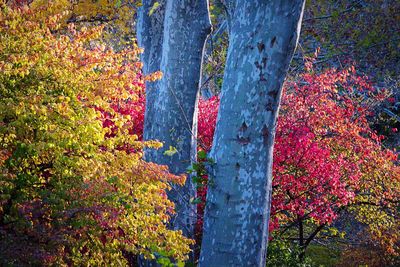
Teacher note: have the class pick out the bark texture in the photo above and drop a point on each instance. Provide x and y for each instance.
(171, 102)
(150, 32)
(263, 36)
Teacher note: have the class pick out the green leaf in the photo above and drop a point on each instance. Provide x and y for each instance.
(171, 151)
(195, 200)
(197, 179)
(112, 180)
(202, 154)
(197, 167)
(190, 170)
(155, 6)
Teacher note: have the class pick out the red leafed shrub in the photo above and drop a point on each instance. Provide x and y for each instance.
(208, 110)
(326, 156)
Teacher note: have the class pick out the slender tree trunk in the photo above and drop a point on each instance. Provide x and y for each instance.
(263, 36)
(309, 240)
(301, 232)
(171, 102)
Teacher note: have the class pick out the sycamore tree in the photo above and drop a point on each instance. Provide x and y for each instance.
(73, 187)
(173, 35)
(262, 38)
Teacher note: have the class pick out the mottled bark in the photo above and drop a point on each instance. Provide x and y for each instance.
(150, 31)
(186, 27)
(263, 36)
(171, 101)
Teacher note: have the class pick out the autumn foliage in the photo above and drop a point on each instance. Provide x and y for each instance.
(70, 193)
(327, 159)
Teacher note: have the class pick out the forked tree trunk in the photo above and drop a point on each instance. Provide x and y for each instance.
(263, 36)
(171, 102)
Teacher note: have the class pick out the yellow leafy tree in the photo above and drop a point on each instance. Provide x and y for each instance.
(70, 191)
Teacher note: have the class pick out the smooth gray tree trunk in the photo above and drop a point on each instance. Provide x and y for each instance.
(171, 102)
(263, 37)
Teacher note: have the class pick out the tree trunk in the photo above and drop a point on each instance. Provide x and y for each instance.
(263, 36)
(170, 108)
(150, 31)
